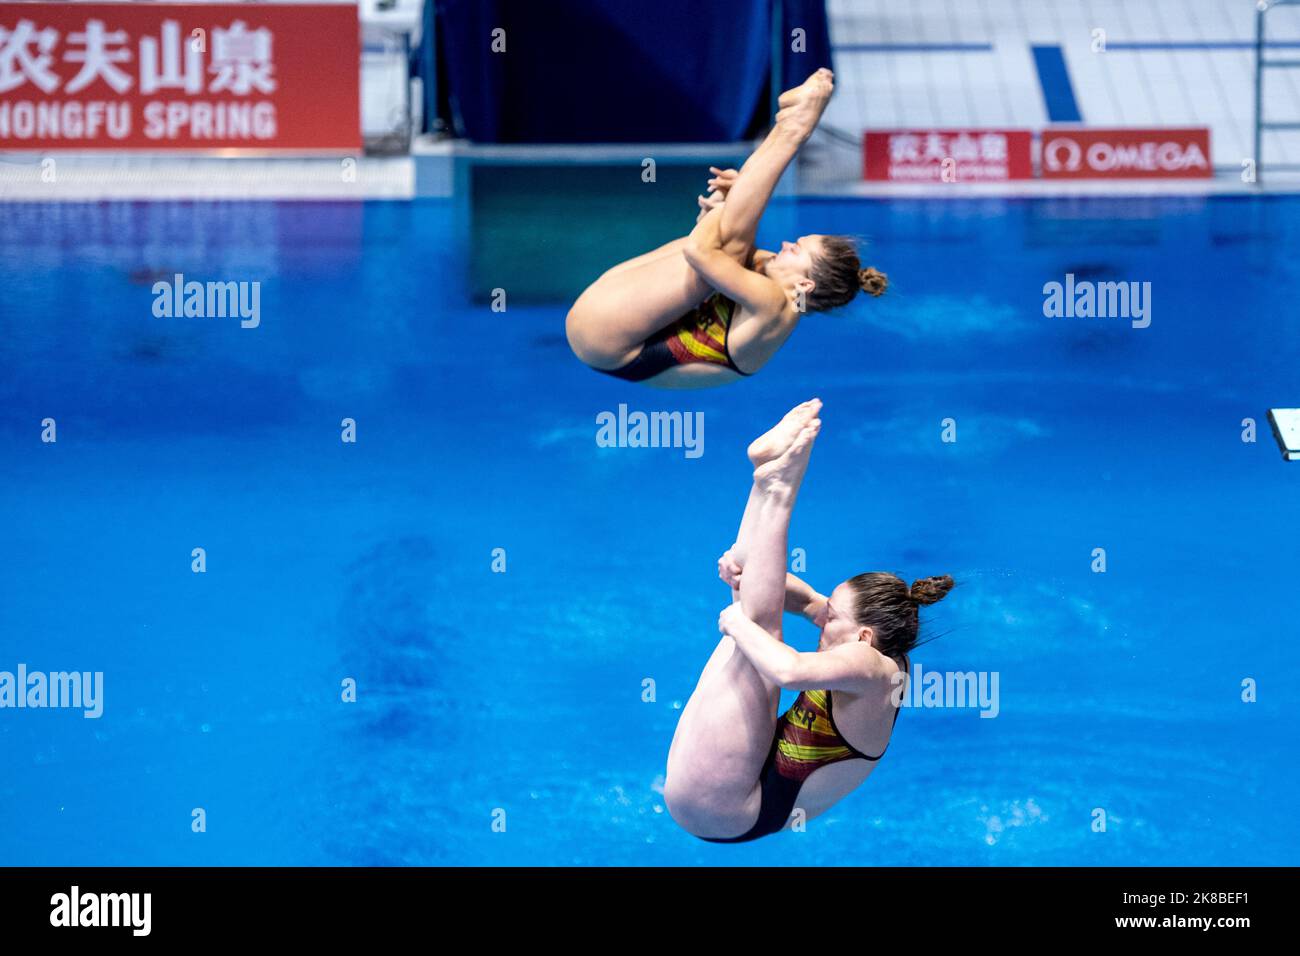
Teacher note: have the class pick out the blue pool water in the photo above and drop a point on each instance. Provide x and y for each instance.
(522, 691)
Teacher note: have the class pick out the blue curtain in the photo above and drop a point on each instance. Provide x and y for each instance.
(614, 70)
(809, 16)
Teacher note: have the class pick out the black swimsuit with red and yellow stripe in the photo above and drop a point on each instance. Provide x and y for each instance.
(806, 739)
(699, 336)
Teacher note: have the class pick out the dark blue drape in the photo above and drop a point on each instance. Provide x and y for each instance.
(809, 16)
(615, 70)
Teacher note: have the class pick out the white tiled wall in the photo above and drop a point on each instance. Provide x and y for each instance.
(1212, 87)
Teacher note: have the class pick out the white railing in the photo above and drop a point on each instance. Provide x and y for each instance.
(1262, 63)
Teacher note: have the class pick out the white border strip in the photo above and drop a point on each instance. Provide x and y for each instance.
(77, 177)
(583, 153)
(83, 177)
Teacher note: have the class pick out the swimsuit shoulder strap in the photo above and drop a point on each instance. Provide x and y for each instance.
(838, 733)
(898, 709)
(905, 668)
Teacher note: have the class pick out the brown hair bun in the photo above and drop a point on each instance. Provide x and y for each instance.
(873, 281)
(930, 590)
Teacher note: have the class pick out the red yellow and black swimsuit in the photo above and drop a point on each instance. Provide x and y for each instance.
(806, 739)
(698, 336)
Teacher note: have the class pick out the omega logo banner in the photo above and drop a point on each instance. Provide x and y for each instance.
(1076, 153)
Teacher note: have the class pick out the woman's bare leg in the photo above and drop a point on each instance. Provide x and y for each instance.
(767, 447)
(801, 110)
(726, 729)
(753, 188)
(612, 319)
(777, 478)
(613, 340)
(763, 449)
(667, 249)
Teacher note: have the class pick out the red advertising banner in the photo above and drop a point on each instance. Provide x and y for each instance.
(179, 76)
(1071, 153)
(947, 155)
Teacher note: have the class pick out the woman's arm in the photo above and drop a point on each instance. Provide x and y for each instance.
(800, 597)
(703, 251)
(770, 657)
(850, 667)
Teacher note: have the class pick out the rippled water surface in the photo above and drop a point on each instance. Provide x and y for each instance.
(1119, 693)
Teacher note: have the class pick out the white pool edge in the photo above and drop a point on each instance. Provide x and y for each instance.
(429, 172)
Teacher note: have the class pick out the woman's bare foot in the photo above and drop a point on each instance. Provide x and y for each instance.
(795, 93)
(779, 479)
(775, 441)
(801, 108)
